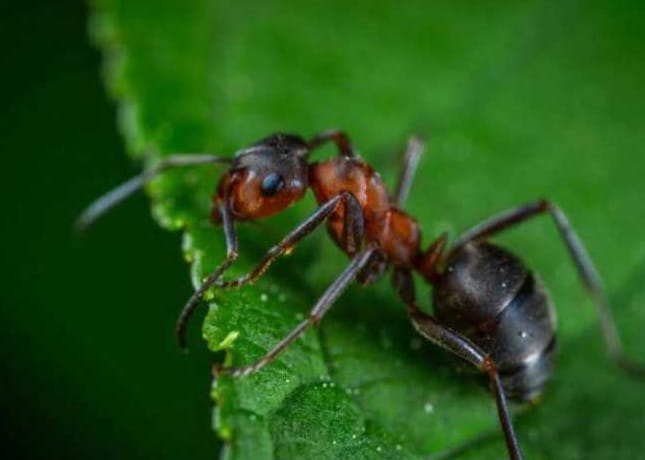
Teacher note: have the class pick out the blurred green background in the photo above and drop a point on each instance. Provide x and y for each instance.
(88, 362)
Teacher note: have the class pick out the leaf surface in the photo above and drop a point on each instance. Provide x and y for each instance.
(519, 101)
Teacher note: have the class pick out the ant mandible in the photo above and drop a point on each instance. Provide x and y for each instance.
(489, 309)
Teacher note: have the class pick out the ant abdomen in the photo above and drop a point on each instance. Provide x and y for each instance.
(486, 293)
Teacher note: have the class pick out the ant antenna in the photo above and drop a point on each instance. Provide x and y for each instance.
(104, 203)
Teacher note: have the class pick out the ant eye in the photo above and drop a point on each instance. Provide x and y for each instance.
(272, 184)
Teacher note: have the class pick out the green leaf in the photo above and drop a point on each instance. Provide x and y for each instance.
(518, 100)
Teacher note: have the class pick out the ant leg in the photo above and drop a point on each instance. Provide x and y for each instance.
(404, 285)
(104, 203)
(411, 158)
(353, 224)
(427, 263)
(231, 254)
(431, 329)
(354, 234)
(324, 303)
(581, 259)
(409, 164)
(336, 136)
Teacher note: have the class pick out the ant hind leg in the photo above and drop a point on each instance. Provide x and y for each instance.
(429, 327)
(581, 259)
(451, 341)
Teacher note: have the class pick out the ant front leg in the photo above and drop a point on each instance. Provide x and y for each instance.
(353, 228)
(581, 259)
(429, 327)
(230, 237)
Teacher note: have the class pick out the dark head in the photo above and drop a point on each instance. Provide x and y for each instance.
(264, 178)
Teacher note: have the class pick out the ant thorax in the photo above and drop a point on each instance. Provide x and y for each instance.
(393, 231)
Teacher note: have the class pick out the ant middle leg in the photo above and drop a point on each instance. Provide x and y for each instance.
(581, 259)
(322, 306)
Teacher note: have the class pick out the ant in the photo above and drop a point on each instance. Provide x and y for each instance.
(489, 308)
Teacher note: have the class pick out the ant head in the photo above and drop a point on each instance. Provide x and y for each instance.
(265, 178)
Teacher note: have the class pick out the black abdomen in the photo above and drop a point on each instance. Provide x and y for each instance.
(487, 294)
